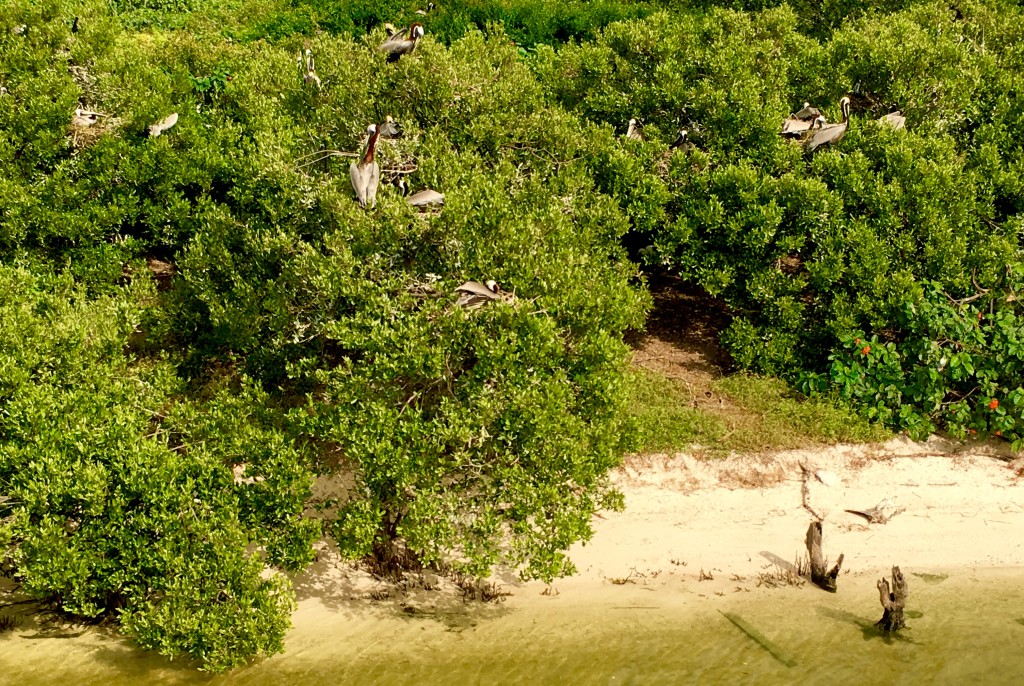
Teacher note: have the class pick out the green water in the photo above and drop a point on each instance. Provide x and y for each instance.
(967, 628)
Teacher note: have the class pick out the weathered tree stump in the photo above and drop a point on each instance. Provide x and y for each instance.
(892, 602)
(821, 578)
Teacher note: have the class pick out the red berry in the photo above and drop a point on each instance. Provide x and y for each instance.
(993, 404)
(865, 350)
(998, 432)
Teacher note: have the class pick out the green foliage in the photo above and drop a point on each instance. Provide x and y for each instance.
(741, 413)
(955, 364)
(118, 503)
(295, 335)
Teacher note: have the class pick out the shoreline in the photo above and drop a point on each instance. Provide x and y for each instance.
(641, 588)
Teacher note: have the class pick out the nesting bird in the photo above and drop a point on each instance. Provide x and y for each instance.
(635, 131)
(423, 13)
(402, 43)
(474, 294)
(365, 174)
(162, 125)
(800, 122)
(681, 142)
(83, 119)
(389, 129)
(826, 134)
(895, 120)
(425, 198)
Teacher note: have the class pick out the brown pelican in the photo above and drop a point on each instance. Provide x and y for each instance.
(423, 13)
(390, 29)
(681, 143)
(162, 125)
(402, 43)
(83, 119)
(389, 129)
(425, 198)
(831, 133)
(365, 174)
(473, 294)
(894, 119)
(798, 123)
(635, 131)
(307, 68)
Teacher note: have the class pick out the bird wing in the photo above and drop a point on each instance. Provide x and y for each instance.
(397, 44)
(894, 119)
(807, 113)
(358, 182)
(372, 182)
(830, 133)
(795, 127)
(477, 288)
(164, 124)
(425, 197)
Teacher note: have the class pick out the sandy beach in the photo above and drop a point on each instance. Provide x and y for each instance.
(699, 541)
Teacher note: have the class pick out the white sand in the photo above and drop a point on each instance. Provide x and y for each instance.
(741, 515)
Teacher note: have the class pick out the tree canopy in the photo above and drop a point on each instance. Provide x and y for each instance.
(197, 325)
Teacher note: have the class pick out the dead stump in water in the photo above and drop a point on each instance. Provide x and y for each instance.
(821, 578)
(892, 601)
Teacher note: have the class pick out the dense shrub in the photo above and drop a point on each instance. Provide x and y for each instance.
(301, 336)
(118, 500)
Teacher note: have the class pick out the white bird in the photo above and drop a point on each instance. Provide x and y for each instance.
(402, 43)
(423, 13)
(365, 174)
(162, 125)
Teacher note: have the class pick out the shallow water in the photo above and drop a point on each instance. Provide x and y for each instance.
(967, 628)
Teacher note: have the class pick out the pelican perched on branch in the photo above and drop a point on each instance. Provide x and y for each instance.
(474, 294)
(681, 142)
(831, 133)
(365, 174)
(389, 129)
(402, 43)
(634, 131)
(307, 68)
(425, 198)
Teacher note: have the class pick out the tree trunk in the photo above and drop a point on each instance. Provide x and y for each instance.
(892, 602)
(826, 580)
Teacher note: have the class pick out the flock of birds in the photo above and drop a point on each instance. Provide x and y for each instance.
(364, 173)
(808, 125)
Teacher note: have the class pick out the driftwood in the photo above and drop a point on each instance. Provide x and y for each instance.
(892, 601)
(821, 578)
(880, 513)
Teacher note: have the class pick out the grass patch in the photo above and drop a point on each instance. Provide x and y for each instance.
(663, 417)
(739, 413)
